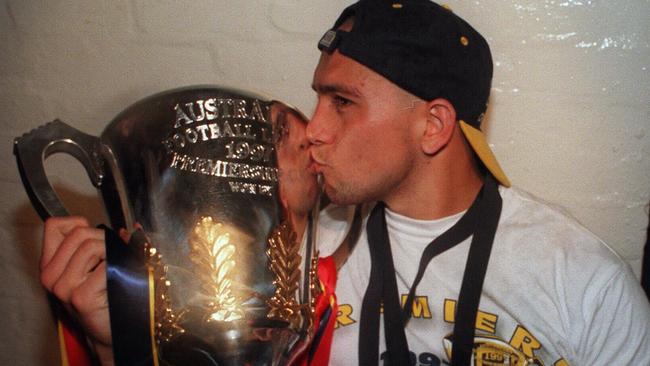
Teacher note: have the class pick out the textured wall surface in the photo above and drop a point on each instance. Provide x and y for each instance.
(569, 115)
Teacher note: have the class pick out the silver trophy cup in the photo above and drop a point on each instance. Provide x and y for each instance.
(193, 174)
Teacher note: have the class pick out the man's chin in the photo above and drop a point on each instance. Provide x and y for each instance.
(331, 194)
(341, 197)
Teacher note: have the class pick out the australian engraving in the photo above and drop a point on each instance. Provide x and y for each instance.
(212, 108)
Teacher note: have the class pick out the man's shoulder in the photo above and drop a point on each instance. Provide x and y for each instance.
(525, 212)
(533, 226)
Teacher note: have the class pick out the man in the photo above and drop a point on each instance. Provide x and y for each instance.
(402, 87)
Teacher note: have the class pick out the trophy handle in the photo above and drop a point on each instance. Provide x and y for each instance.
(34, 147)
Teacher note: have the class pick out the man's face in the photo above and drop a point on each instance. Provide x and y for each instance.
(361, 132)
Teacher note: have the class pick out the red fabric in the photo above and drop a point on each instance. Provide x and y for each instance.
(327, 277)
(73, 346)
(325, 303)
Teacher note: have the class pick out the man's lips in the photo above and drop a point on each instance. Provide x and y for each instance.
(315, 165)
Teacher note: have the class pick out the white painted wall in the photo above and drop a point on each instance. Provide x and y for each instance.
(569, 116)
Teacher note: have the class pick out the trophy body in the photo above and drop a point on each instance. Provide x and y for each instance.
(193, 174)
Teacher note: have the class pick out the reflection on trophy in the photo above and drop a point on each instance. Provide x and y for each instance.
(213, 274)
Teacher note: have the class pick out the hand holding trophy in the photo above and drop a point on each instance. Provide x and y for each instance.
(213, 200)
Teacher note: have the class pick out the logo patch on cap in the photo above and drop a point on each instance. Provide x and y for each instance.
(328, 41)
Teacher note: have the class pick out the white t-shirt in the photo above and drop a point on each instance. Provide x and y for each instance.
(554, 294)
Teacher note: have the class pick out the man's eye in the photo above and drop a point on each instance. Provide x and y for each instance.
(340, 101)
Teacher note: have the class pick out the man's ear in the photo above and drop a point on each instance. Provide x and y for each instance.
(440, 125)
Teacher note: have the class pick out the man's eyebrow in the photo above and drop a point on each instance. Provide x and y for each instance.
(335, 88)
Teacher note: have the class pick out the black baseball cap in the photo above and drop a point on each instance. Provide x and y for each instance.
(427, 50)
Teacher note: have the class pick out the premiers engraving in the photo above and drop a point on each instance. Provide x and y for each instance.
(245, 138)
(224, 169)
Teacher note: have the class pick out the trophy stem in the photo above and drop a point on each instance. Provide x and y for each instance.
(312, 247)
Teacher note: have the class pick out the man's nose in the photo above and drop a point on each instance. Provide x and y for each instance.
(319, 129)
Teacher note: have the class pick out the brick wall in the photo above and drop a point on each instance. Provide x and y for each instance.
(569, 116)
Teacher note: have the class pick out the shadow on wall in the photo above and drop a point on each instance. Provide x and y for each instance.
(26, 224)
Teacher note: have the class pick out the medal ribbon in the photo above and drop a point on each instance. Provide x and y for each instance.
(481, 221)
(127, 284)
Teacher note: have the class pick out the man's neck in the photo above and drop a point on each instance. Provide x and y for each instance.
(440, 186)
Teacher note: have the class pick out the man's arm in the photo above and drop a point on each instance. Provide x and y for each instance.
(618, 324)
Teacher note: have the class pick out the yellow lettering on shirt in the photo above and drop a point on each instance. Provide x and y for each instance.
(420, 306)
(524, 341)
(343, 317)
(486, 322)
(449, 310)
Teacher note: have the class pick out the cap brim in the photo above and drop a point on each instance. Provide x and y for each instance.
(477, 141)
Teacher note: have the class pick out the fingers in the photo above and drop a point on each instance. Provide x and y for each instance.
(64, 239)
(56, 229)
(124, 235)
(90, 302)
(93, 290)
(81, 265)
(52, 271)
